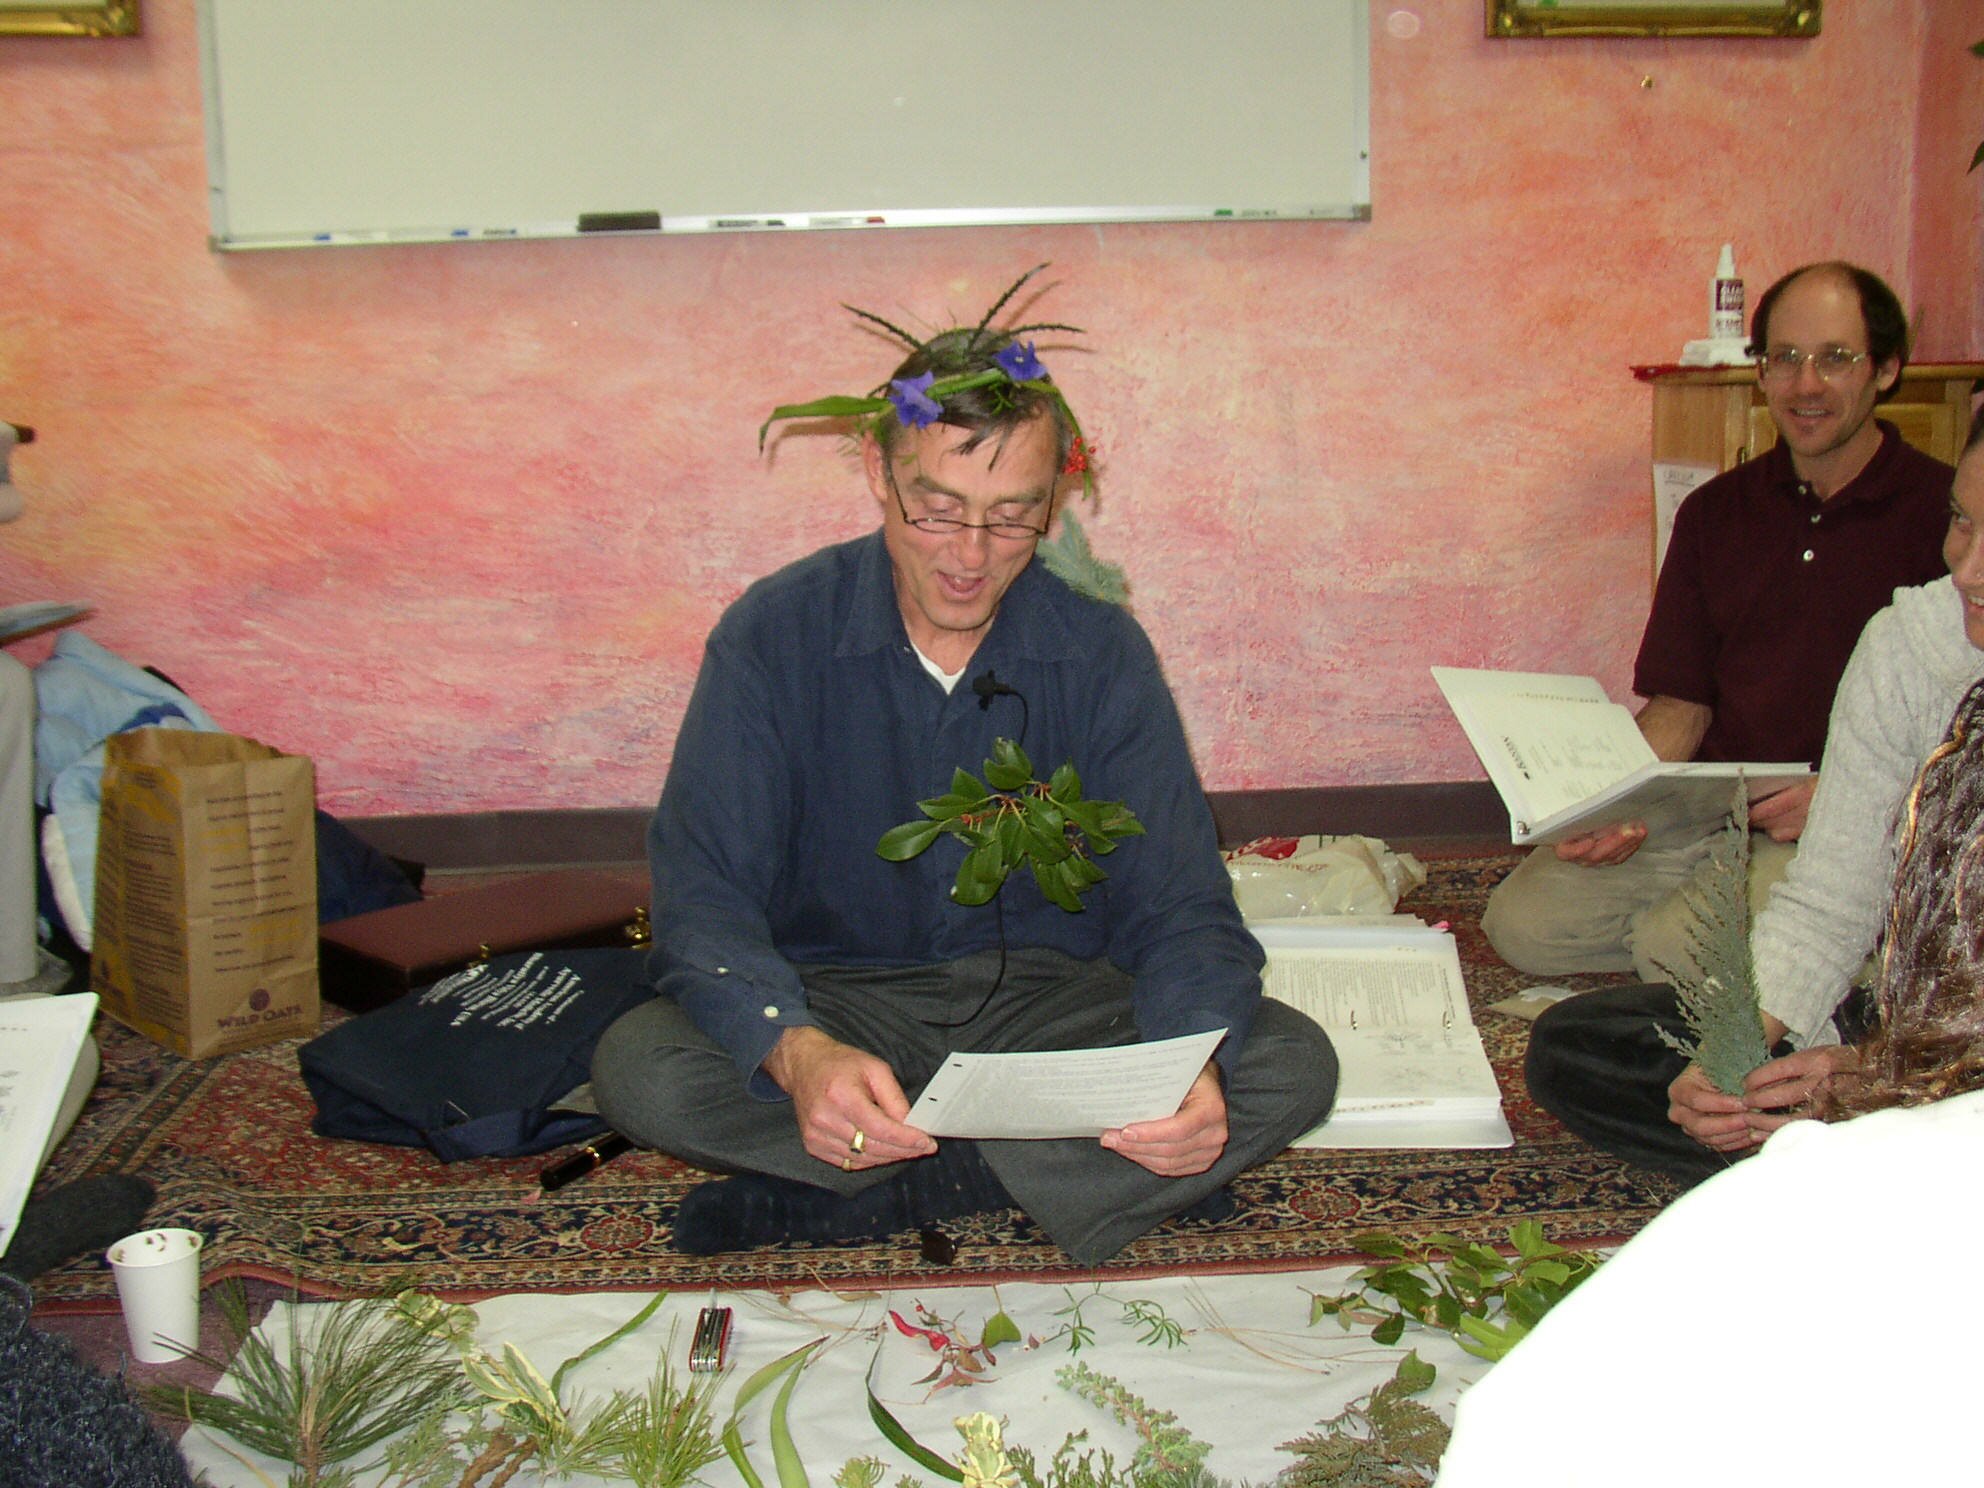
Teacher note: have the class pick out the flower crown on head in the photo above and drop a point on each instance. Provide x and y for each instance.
(1012, 364)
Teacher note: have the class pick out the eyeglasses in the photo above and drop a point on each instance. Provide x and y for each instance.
(945, 526)
(1786, 362)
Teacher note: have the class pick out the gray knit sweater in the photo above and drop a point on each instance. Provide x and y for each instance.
(1911, 668)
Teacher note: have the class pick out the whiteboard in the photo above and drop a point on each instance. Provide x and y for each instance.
(366, 121)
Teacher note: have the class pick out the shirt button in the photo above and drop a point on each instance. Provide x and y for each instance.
(771, 1012)
(1808, 555)
(723, 971)
(1815, 519)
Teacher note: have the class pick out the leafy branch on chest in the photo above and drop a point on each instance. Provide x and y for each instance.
(1010, 818)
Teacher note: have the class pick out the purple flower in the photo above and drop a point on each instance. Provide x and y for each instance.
(914, 405)
(1018, 362)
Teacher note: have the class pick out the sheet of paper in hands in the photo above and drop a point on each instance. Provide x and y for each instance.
(1061, 1092)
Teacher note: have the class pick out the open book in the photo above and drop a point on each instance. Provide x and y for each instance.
(1411, 1071)
(1566, 759)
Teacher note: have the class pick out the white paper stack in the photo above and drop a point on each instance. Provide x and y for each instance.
(1411, 1068)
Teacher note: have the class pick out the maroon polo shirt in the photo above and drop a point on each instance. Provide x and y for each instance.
(1765, 590)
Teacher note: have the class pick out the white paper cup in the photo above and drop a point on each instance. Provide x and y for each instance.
(158, 1281)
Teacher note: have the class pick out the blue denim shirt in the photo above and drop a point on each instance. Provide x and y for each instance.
(814, 728)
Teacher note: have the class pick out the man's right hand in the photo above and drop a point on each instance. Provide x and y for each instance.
(838, 1090)
(1602, 849)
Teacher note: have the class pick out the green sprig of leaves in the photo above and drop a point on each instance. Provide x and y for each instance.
(1384, 1440)
(1010, 818)
(1488, 1301)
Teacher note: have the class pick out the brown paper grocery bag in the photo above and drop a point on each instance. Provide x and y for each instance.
(206, 891)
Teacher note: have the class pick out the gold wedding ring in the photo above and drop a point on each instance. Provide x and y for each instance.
(858, 1142)
(847, 1165)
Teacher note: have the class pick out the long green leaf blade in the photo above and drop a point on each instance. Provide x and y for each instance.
(899, 1436)
(839, 405)
(733, 1438)
(558, 1379)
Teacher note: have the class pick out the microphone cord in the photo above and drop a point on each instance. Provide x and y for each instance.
(988, 686)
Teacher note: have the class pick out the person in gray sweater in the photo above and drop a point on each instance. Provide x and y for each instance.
(1571, 1406)
(1597, 1061)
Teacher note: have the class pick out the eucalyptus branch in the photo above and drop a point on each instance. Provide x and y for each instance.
(1010, 818)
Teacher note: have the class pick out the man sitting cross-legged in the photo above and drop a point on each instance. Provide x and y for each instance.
(810, 988)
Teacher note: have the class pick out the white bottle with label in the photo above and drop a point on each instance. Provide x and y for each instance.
(1725, 299)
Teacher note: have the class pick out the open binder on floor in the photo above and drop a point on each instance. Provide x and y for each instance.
(1411, 1070)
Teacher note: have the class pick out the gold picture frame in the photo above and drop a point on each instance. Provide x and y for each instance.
(1518, 18)
(69, 18)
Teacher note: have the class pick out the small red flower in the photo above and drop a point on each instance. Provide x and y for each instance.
(930, 1336)
(1081, 457)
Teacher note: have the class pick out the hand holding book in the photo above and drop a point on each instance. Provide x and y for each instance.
(1568, 762)
(1605, 847)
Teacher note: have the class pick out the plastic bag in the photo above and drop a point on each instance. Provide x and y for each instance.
(1290, 877)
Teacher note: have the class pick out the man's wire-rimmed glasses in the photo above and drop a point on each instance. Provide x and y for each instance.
(946, 526)
(1784, 363)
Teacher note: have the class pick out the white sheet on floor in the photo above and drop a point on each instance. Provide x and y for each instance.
(1250, 1374)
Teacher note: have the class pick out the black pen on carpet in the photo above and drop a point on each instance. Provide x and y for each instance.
(595, 1153)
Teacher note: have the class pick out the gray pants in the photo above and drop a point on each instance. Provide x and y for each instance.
(661, 1082)
(1552, 918)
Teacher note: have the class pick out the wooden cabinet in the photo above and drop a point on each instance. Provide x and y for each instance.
(1706, 419)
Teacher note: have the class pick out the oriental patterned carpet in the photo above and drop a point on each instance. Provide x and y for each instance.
(228, 1144)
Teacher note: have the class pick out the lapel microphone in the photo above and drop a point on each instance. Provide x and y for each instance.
(988, 686)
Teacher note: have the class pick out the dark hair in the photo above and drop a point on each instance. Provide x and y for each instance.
(1880, 313)
(1929, 1042)
(1976, 435)
(990, 412)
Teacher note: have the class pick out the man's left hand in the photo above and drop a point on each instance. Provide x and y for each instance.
(1187, 1142)
(1781, 815)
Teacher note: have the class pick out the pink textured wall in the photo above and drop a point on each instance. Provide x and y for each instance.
(454, 519)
